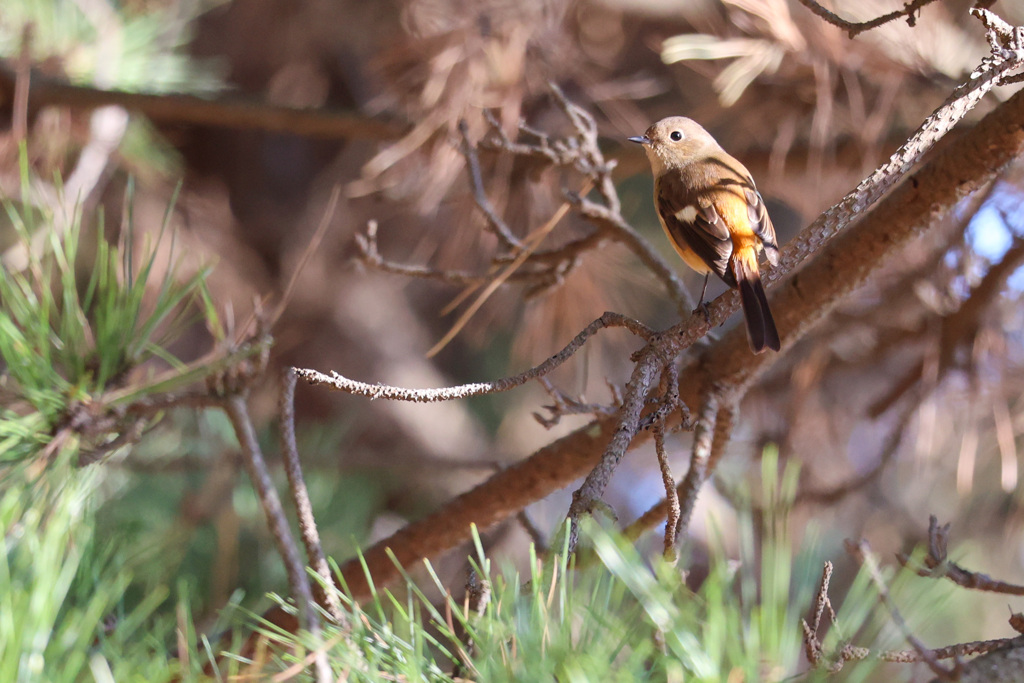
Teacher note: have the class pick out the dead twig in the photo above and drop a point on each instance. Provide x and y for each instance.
(891, 446)
(324, 591)
(671, 523)
(710, 436)
(645, 375)
(369, 254)
(537, 537)
(937, 565)
(307, 253)
(532, 242)
(375, 391)
(812, 639)
(833, 662)
(869, 562)
(476, 182)
(853, 28)
(669, 404)
(238, 412)
(565, 405)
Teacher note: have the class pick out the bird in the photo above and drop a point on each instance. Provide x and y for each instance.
(714, 216)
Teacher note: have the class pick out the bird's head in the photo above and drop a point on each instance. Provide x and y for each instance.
(675, 142)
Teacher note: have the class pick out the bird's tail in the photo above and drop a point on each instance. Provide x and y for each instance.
(761, 330)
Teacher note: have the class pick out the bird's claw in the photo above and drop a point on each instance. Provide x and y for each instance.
(702, 307)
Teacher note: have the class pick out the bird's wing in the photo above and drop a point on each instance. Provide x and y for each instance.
(692, 220)
(761, 222)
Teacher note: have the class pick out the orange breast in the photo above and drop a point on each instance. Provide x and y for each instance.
(688, 255)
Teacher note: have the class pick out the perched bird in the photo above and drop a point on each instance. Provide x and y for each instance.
(713, 215)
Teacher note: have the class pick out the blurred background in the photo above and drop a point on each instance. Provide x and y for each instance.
(906, 402)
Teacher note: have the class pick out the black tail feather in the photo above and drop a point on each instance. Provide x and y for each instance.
(761, 330)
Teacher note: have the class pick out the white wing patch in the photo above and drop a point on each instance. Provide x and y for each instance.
(687, 214)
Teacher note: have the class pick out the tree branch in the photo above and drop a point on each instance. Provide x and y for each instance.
(325, 593)
(959, 168)
(708, 439)
(937, 565)
(238, 413)
(237, 114)
(375, 391)
(853, 28)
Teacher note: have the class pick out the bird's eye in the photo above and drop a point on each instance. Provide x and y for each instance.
(675, 136)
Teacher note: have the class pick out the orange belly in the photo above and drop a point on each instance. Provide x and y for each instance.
(689, 256)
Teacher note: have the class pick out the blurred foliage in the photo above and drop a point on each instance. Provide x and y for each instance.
(184, 505)
(136, 47)
(62, 614)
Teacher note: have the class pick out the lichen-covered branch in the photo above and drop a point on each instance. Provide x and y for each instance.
(325, 594)
(382, 391)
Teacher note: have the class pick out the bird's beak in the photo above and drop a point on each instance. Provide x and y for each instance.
(640, 139)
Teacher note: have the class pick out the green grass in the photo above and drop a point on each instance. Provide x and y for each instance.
(623, 617)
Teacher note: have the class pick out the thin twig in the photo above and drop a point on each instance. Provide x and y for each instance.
(370, 255)
(537, 538)
(476, 183)
(669, 403)
(867, 559)
(22, 77)
(834, 662)
(823, 601)
(853, 28)
(238, 413)
(889, 449)
(565, 405)
(974, 647)
(620, 230)
(812, 641)
(645, 374)
(703, 441)
(382, 391)
(533, 241)
(311, 248)
(592, 161)
(671, 523)
(324, 591)
(709, 441)
(938, 565)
